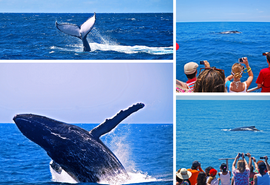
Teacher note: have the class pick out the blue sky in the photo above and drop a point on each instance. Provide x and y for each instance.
(87, 6)
(229, 10)
(87, 92)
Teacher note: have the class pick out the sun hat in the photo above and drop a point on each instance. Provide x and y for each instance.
(213, 172)
(183, 174)
(190, 68)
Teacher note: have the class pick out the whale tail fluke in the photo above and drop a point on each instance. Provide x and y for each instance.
(78, 31)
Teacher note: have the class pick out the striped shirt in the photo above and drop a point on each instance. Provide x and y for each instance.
(191, 83)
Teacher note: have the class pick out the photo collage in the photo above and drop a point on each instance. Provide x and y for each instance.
(158, 92)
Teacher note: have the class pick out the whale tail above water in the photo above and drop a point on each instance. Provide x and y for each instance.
(78, 31)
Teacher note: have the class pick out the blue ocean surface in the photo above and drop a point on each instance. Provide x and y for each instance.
(114, 36)
(145, 150)
(203, 131)
(204, 41)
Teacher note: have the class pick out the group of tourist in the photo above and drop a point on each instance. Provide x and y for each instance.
(211, 79)
(243, 174)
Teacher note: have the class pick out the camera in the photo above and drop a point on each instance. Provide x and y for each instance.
(202, 62)
(239, 154)
(264, 54)
(262, 157)
(240, 60)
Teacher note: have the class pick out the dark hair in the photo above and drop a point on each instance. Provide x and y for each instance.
(210, 80)
(251, 168)
(201, 179)
(178, 179)
(190, 76)
(223, 167)
(268, 57)
(207, 170)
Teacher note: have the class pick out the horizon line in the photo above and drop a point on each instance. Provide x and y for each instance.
(169, 123)
(87, 12)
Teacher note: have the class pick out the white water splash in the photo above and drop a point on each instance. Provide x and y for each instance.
(63, 177)
(122, 150)
(99, 42)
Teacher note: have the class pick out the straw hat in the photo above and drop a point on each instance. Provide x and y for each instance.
(184, 174)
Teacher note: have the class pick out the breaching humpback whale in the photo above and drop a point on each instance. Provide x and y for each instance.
(78, 31)
(76, 151)
(250, 128)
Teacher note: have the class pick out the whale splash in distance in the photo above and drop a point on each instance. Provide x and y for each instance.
(80, 32)
(75, 151)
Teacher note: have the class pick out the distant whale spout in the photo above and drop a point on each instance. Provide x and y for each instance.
(79, 153)
(250, 128)
(78, 31)
(230, 32)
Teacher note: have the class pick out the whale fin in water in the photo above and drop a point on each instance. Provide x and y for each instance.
(78, 31)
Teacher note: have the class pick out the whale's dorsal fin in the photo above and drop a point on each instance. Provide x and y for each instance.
(111, 123)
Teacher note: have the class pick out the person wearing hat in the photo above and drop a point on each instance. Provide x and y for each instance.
(263, 177)
(212, 179)
(195, 170)
(263, 80)
(182, 177)
(190, 69)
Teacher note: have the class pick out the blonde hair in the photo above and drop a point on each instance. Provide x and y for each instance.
(210, 179)
(241, 166)
(237, 70)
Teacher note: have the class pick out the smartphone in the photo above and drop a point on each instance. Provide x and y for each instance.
(240, 60)
(239, 155)
(262, 157)
(202, 62)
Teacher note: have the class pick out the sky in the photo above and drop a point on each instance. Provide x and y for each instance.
(86, 6)
(87, 92)
(229, 10)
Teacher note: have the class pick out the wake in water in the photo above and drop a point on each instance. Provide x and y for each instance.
(103, 43)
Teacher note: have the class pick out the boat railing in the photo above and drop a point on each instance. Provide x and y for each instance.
(253, 89)
(227, 161)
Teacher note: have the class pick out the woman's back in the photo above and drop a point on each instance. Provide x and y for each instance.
(225, 178)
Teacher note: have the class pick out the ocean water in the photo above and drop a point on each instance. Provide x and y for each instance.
(114, 36)
(146, 154)
(203, 41)
(202, 131)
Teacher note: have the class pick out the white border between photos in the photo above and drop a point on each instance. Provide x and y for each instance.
(223, 96)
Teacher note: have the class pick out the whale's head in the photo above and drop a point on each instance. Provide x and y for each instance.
(43, 131)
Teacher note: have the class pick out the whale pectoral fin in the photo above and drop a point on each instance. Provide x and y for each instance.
(87, 26)
(70, 29)
(111, 123)
(56, 167)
